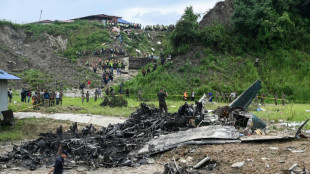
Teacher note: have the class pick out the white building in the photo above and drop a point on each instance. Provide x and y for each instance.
(4, 77)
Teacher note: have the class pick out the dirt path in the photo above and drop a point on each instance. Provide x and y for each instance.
(80, 118)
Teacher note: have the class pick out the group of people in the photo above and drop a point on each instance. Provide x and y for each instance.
(107, 64)
(109, 91)
(262, 98)
(159, 27)
(40, 97)
(101, 52)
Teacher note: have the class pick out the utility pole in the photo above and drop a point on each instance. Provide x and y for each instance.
(40, 15)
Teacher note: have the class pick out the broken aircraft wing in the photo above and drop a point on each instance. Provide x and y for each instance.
(214, 134)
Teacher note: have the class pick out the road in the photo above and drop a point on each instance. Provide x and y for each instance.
(80, 118)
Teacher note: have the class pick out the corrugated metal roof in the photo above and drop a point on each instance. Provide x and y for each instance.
(6, 76)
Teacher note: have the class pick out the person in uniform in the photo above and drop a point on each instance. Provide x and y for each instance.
(162, 102)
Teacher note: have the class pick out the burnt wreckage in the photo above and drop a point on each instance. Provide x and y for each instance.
(143, 134)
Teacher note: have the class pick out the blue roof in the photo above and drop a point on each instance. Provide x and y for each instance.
(6, 76)
(119, 20)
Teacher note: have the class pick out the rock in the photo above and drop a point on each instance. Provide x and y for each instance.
(273, 148)
(81, 169)
(238, 164)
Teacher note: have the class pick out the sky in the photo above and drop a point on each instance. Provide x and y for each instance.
(146, 12)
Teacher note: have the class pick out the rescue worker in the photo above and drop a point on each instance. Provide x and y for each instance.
(162, 102)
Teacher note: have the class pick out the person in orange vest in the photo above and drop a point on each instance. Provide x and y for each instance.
(185, 95)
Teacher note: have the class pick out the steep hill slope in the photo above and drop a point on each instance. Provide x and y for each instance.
(44, 54)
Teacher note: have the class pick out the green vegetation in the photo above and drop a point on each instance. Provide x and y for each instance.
(34, 78)
(219, 57)
(90, 36)
(186, 31)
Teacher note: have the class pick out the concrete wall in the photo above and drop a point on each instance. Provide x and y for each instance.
(3, 95)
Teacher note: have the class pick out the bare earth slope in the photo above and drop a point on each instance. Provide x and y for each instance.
(19, 53)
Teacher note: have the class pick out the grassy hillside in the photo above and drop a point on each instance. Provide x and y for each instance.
(219, 57)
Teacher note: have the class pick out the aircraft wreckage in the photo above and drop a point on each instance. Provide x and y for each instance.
(143, 134)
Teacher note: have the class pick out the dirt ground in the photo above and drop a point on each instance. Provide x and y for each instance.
(266, 157)
(262, 157)
(259, 157)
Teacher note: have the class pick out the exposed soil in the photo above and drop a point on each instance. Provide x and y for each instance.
(270, 157)
(19, 52)
(220, 13)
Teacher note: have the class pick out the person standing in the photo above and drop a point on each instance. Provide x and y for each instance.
(60, 97)
(87, 97)
(57, 98)
(217, 96)
(185, 95)
(83, 97)
(10, 95)
(59, 164)
(127, 93)
(193, 96)
(96, 95)
(29, 95)
(46, 98)
(222, 96)
(262, 99)
(162, 102)
(89, 84)
(275, 98)
(283, 99)
(256, 62)
(35, 99)
(143, 72)
(99, 92)
(211, 96)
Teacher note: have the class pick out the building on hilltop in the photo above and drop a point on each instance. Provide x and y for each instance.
(4, 77)
(101, 18)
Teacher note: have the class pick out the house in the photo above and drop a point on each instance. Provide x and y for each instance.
(4, 77)
(101, 18)
(43, 22)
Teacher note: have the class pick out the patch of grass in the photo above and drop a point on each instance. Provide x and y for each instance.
(29, 128)
(287, 113)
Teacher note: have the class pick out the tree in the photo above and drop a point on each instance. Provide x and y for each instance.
(185, 32)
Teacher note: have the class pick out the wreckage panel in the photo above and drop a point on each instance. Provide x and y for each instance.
(174, 139)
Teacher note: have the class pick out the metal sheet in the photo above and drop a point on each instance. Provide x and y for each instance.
(214, 133)
(3, 95)
(6, 76)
